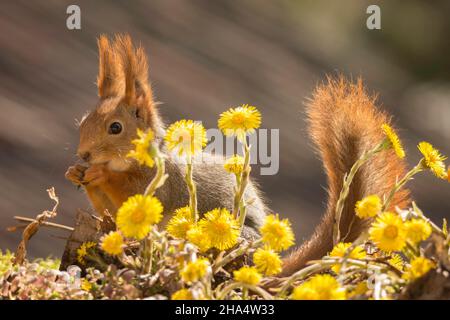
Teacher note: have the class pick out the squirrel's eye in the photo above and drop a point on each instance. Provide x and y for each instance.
(115, 128)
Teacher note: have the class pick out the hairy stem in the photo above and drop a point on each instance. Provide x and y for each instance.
(348, 179)
(239, 208)
(192, 189)
(159, 178)
(263, 293)
(234, 254)
(400, 184)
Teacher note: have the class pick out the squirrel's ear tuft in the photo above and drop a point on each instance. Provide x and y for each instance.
(135, 68)
(109, 79)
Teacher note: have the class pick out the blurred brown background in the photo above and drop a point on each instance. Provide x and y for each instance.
(206, 56)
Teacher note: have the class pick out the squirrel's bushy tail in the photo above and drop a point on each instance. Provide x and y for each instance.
(344, 122)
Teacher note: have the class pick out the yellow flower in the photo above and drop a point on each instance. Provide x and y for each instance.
(340, 250)
(85, 285)
(419, 267)
(267, 261)
(433, 160)
(142, 145)
(112, 243)
(397, 262)
(136, 216)
(276, 233)
(180, 223)
(394, 140)
(319, 287)
(234, 164)
(247, 275)
(195, 270)
(417, 230)
(359, 290)
(368, 207)
(221, 228)
(186, 137)
(83, 251)
(388, 232)
(239, 121)
(182, 294)
(196, 236)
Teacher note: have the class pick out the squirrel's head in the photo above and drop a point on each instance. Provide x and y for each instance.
(126, 104)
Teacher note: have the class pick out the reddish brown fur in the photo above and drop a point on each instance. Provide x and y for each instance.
(343, 123)
(109, 77)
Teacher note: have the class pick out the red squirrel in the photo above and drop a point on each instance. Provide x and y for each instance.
(343, 122)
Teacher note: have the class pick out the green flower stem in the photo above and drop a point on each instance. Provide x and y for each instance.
(346, 187)
(303, 273)
(417, 213)
(360, 240)
(363, 263)
(192, 189)
(239, 208)
(147, 254)
(263, 293)
(408, 176)
(319, 266)
(412, 249)
(234, 254)
(244, 293)
(160, 176)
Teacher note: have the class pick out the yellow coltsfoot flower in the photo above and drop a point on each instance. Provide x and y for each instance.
(84, 250)
(234, 164)
(394, 140)
(417, 230)
(397, 262)
(196, 236)
(267, 261)
(433, 160)
(142, 148)
(340, 250)
(182, 294)
(359, 290)
(319, 287)
(388, 232)
(180, 223)
(368, 207)
(85, 285)
(240, 121)
(418, 267)
(112, 243)
(221, 228)
(247, 275)
(195, 270)
(276, 233)
(186, 137)
(137, 215)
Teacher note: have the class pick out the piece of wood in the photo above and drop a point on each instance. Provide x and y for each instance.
(86, 228)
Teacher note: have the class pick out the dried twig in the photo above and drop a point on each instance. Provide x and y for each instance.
(33, 227)
(43, 223)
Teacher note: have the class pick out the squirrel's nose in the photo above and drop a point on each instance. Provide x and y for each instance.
(85, 156)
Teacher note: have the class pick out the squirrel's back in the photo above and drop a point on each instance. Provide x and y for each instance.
(343, 123)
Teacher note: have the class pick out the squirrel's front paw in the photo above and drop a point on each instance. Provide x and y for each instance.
(95, 175)
(76, 174)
